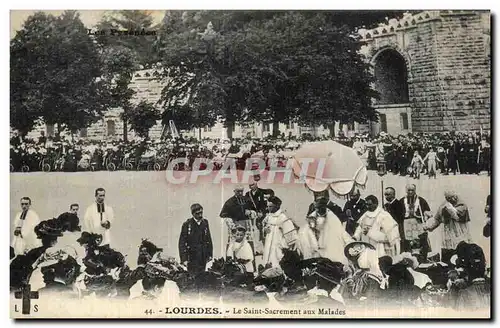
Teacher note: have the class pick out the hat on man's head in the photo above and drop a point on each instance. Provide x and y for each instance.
(255, 178)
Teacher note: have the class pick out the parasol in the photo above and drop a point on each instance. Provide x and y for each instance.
(343, 169)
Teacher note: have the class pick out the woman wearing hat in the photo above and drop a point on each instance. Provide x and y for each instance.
(48, 232)
(367, 281)
(23, 266)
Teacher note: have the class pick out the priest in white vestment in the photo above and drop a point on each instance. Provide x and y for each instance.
(25, 238)
(280, 233)
(378, 228)
(99, 217)
(324, 236)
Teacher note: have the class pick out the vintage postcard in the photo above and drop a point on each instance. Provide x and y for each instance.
(250, 164)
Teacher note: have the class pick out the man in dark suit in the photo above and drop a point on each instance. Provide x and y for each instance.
(395, 208)
(257, 201)
(354, 208)
(195, 241)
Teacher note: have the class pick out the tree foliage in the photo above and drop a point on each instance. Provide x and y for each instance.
(271, 66)
(55, 73)
(142, 118)
(132, 20)
(208, 72)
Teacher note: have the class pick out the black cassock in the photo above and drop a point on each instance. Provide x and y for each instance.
(357, 208)
(195, 244)
(397, 210)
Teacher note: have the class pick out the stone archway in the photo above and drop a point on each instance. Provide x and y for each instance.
(391, 77)
(390, 69)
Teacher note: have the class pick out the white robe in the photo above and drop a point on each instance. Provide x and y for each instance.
(92, 221)
(383, 231)
(28, 240)
(275, 242)
(241, 251)
(331, 242)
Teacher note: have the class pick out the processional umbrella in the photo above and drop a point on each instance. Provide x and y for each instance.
(329, 165)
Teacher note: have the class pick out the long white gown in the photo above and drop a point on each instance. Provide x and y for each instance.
(92, 222)
(29, 240)
(281, 235)
(331, 242)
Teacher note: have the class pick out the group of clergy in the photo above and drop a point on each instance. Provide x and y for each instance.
(393, 227)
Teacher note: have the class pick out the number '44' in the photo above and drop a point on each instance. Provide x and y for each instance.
(149, 311)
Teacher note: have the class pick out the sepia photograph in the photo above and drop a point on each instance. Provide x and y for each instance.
(250, 164)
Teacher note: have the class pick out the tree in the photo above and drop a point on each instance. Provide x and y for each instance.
(134, 21)
(142, 118)
(120, 64)
(275, 67)
(312, 70)
(55, 74)
(209, 69)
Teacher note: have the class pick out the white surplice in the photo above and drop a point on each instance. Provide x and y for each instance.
(92, 222)
(28, 239)
(279, 225)
(330, 243)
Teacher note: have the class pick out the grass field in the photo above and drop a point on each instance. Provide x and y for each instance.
(146, 206)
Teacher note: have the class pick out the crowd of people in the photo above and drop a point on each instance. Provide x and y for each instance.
(412, 154)
(368, 253)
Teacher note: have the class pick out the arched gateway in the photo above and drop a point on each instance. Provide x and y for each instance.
(432, 70)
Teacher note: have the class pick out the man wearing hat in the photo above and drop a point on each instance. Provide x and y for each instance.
(195, 241)
(24, 225)
(99, 216)
(236, 210)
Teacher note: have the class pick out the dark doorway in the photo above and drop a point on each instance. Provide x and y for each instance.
(391, 78)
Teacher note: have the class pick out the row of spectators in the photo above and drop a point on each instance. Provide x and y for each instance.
(463, 153)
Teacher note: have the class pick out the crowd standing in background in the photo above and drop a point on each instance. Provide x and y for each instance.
(412, 154)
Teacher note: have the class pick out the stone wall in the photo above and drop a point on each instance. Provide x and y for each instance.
(464, 71)
(448, 64)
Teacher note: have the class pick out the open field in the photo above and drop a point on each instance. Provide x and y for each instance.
(147, 206)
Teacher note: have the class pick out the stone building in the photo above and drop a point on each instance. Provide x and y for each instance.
(432, 70)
